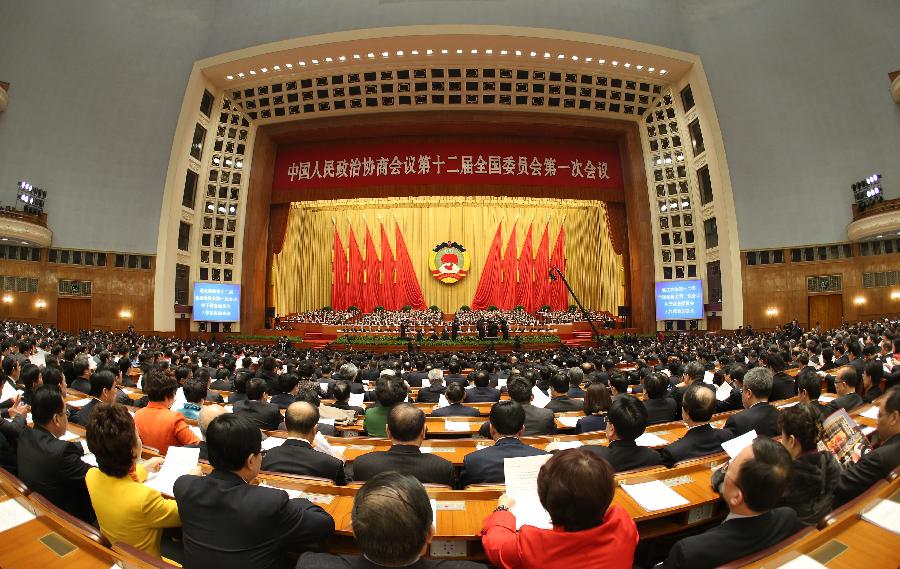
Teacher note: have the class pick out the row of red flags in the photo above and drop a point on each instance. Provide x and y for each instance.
(510, 281)
(390, 281)
(387, 281)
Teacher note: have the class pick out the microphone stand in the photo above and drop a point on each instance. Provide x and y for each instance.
(554, 274)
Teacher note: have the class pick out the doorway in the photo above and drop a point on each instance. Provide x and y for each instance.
(827, 310)
(73, 314)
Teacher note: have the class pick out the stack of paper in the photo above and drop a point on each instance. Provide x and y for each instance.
(13, 514)
(723, 391)
(179, 461)
(885, 514)
(563, 445)
(655, 495)
(568, 421)
(650, 440)
(734, 446)
(871, 412)
(456, 426)
(521, 485)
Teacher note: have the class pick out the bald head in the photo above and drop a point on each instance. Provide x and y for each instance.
(698, 403)
(301, 419)
(846, 380)
(406, 424)
(207, 414)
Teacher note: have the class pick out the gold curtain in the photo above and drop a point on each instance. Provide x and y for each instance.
(302, 271)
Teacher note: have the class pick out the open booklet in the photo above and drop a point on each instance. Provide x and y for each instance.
(844, 438)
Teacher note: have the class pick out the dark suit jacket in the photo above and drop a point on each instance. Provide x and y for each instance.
(455, 410)
(590, 424)
(698, 441)
(81, 385)
(407, 459)
(538, 421)
(731, 403)
(298, 457)
(733, 539)
(482, 395)
(68, 369)
(214, 397)
(415, 378)
(282, 400)
(222, 385)
(9, 436)
(661, 410)
(576, 393)
(229, 524)
(457, 378)
(875, 465)
(328, 561)
(872, 394)
(486, 465)
(265, 415)
(83, 415)
(848, 402)
(626, 455)
(783, 387)
(54, 469)
(763, 417)
(564, 403)
(431, 394)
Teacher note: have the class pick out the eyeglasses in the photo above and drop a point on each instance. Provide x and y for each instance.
(262, 452)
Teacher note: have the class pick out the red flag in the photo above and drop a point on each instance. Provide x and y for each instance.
(408, 290)
(388, 288)
(355, 284)
(558, 293)
(339, 274)
(508, 294)
(489, 284)
(524, 285)
(372, 286)
(541, 290)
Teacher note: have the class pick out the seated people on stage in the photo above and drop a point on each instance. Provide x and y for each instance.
(576, 378)
(559, 401)
(82, 380)
(595, 406)
(734, 376)
(758, 414)
(878, 463)
(288, 386)
(296, 455)
(754, 482)
(872, 375)
(257, 408)
(49, 466)
(697, 407)
(783, 386)
(506, 426)
(845, 386)
(229, 523)
(660, 408)
(809, 388)
(392, 524)
(158, 426)
(207, 414)
(406, 429)
(389, 391)
(103, 390)
(483, 392)
(432, 393)
(194, 392)
(127, 511)
(576, 487)
(341, 392)
(625, 422)
(814, 474)
(455, 394)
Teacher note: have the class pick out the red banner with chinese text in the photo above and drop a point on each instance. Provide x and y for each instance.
(459, 160)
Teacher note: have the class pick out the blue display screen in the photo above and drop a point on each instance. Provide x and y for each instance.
(214, 302)
(679, 300)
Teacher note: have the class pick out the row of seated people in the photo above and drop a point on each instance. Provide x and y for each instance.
(570, 316)
(512, 317)
(331, 317)
(771, 489)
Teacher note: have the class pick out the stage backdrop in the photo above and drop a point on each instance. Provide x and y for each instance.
(302, 271)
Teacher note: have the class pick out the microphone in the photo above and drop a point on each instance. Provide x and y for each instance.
(553, 276)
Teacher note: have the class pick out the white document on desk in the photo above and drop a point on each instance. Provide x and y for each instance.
(802, 562)
(655, 495)
(13, 514)
(456, 426)
(540, 399)
(723, 391)
(356, 399)
(521, 485)
(69, 436)
(272, 442)
(650, 440)
(79, 403)
(870, 413)
(708, 377)
(885, 514)
(734, 446)
(568, 421)
(179, 461)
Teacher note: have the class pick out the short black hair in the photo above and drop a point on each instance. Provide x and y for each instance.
(230, 439)
(9, 364)
(802, 421)
(482, 379)
(737, 372)
(391, 518)
(405, 422)
(158, 386)
(519, 390)
(629, 416)
(763, 479)
(52, 376)
(341, 391)
(182, 373)
(699, 401)
(875, 370)
(100, 380)
(892, 400)
(808, 381)
(507, 418)
(655, 385)
(596, 399)
(390, 390)
(29, 375)
(620, 382)
(194, 390)
(456, 392)
(45, 403)
(80, 366)
(256, 388)
(308, 394)
(559, 383)
(287, 382)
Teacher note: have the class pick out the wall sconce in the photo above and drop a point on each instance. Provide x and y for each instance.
(7, 299)
(771, 312)
(125, 314)
(40, 304)
(859, 300)
(895, 295)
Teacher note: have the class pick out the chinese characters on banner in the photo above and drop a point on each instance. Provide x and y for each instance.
(454, 161)
(216, 302)
(679, 300)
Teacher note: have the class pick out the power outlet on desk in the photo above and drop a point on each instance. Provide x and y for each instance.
(448, 548)
(700, 513)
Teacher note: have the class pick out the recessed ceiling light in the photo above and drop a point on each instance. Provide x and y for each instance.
(240, 74)
(614, 62)
(384, 54)
(264, 69)
(533, 53)
(546, 55)
(229, 77)
(627, 65)
(588, 59)
(651, 69)
(444, 51)
(342, 58)
(459, 52)
(639, 66)
(400, 52)
(662, 71)
(277, 68)
(601, 61)
(289, 65)
(252, 72)
(574, 58)
(518, 52)
(489, 51)
(474, 51)
(429, 51)
(355, 56)
(370, 55)
(414, 52)
(315, 61)
(560, 56)
(503, 52)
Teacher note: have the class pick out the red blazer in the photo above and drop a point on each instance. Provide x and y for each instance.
(607, 546)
